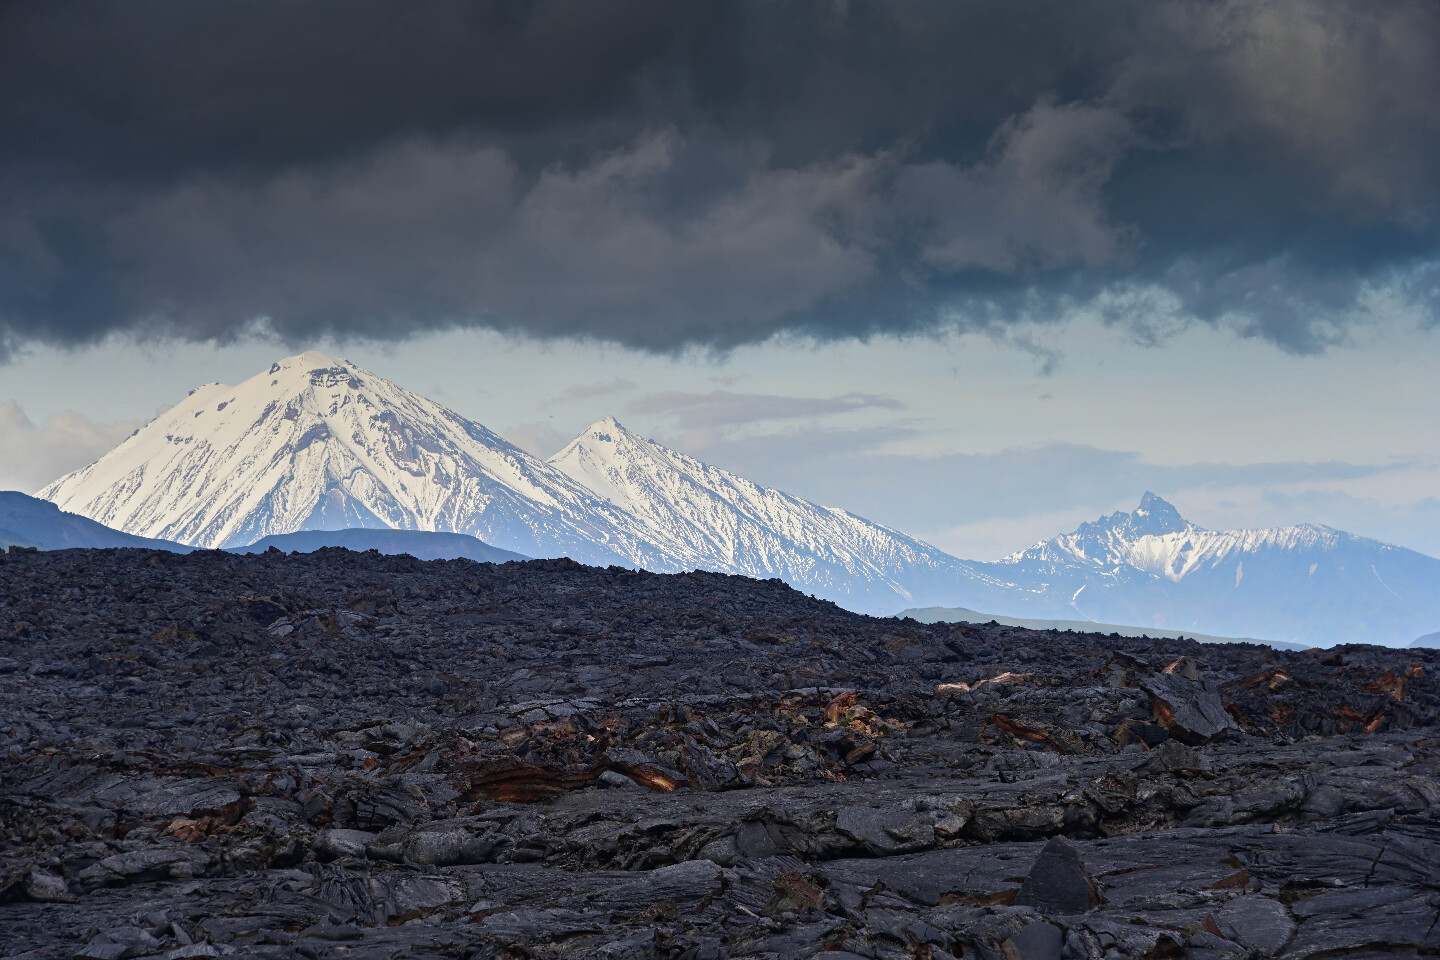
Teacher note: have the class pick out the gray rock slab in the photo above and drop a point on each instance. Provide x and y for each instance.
(1258, 922)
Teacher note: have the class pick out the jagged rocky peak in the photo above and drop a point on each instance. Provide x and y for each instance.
(1155, 517)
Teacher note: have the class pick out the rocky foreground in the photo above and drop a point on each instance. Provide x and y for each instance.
(352, 755)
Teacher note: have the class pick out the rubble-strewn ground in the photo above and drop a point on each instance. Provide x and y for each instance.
(350, 755)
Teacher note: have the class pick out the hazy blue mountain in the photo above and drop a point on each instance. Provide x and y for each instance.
(420, 544)
(1307, 584)
(1429, 640)
(30, 522)
(964, 615)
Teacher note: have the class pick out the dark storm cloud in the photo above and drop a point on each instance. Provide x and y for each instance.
(669, 174)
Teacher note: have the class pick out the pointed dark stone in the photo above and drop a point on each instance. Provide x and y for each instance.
(1058, 882)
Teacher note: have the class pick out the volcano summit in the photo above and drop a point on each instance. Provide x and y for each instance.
(317, 443)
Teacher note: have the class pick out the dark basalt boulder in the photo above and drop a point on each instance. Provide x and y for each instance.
(1190, 710)
(1057, 882)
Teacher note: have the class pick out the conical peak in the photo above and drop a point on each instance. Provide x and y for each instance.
(314, 369)
(306, 361)
(608, 430)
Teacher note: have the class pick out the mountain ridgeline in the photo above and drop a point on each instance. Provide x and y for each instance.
(314, 443)
(420, 544)
(1307, 584)
(319, 444)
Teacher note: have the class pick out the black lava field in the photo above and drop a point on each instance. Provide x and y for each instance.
(350, 755)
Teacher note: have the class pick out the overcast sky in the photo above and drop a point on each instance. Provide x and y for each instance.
(978, 270)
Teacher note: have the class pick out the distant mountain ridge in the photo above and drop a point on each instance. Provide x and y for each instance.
(27, 521)
(420, 544)
(1306, 584)
(964, 615)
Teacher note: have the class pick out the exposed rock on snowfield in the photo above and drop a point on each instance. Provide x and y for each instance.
(340, 754)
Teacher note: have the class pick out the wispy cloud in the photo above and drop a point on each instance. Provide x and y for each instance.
(982, 505)
(584, 391)
(724, 408)
(537, 437)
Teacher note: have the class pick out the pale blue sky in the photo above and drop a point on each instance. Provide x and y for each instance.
(977, 445)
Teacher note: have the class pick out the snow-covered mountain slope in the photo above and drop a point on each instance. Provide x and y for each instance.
(1305, 584)
(316, 443)
(702, 516)
(319, 443)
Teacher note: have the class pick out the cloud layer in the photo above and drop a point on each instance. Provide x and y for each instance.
(65, 441)
(985, 505)
(667, 175)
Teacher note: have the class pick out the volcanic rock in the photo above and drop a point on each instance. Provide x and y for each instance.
(1058, 882)
(455, 759)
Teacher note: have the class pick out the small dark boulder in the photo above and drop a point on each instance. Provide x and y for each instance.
(1191, 711)
(1058, 882)
(1036, 941)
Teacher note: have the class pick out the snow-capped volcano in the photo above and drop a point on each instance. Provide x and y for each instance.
(316, 443)
(319, 443)
(702, 516)
(1308, 583)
